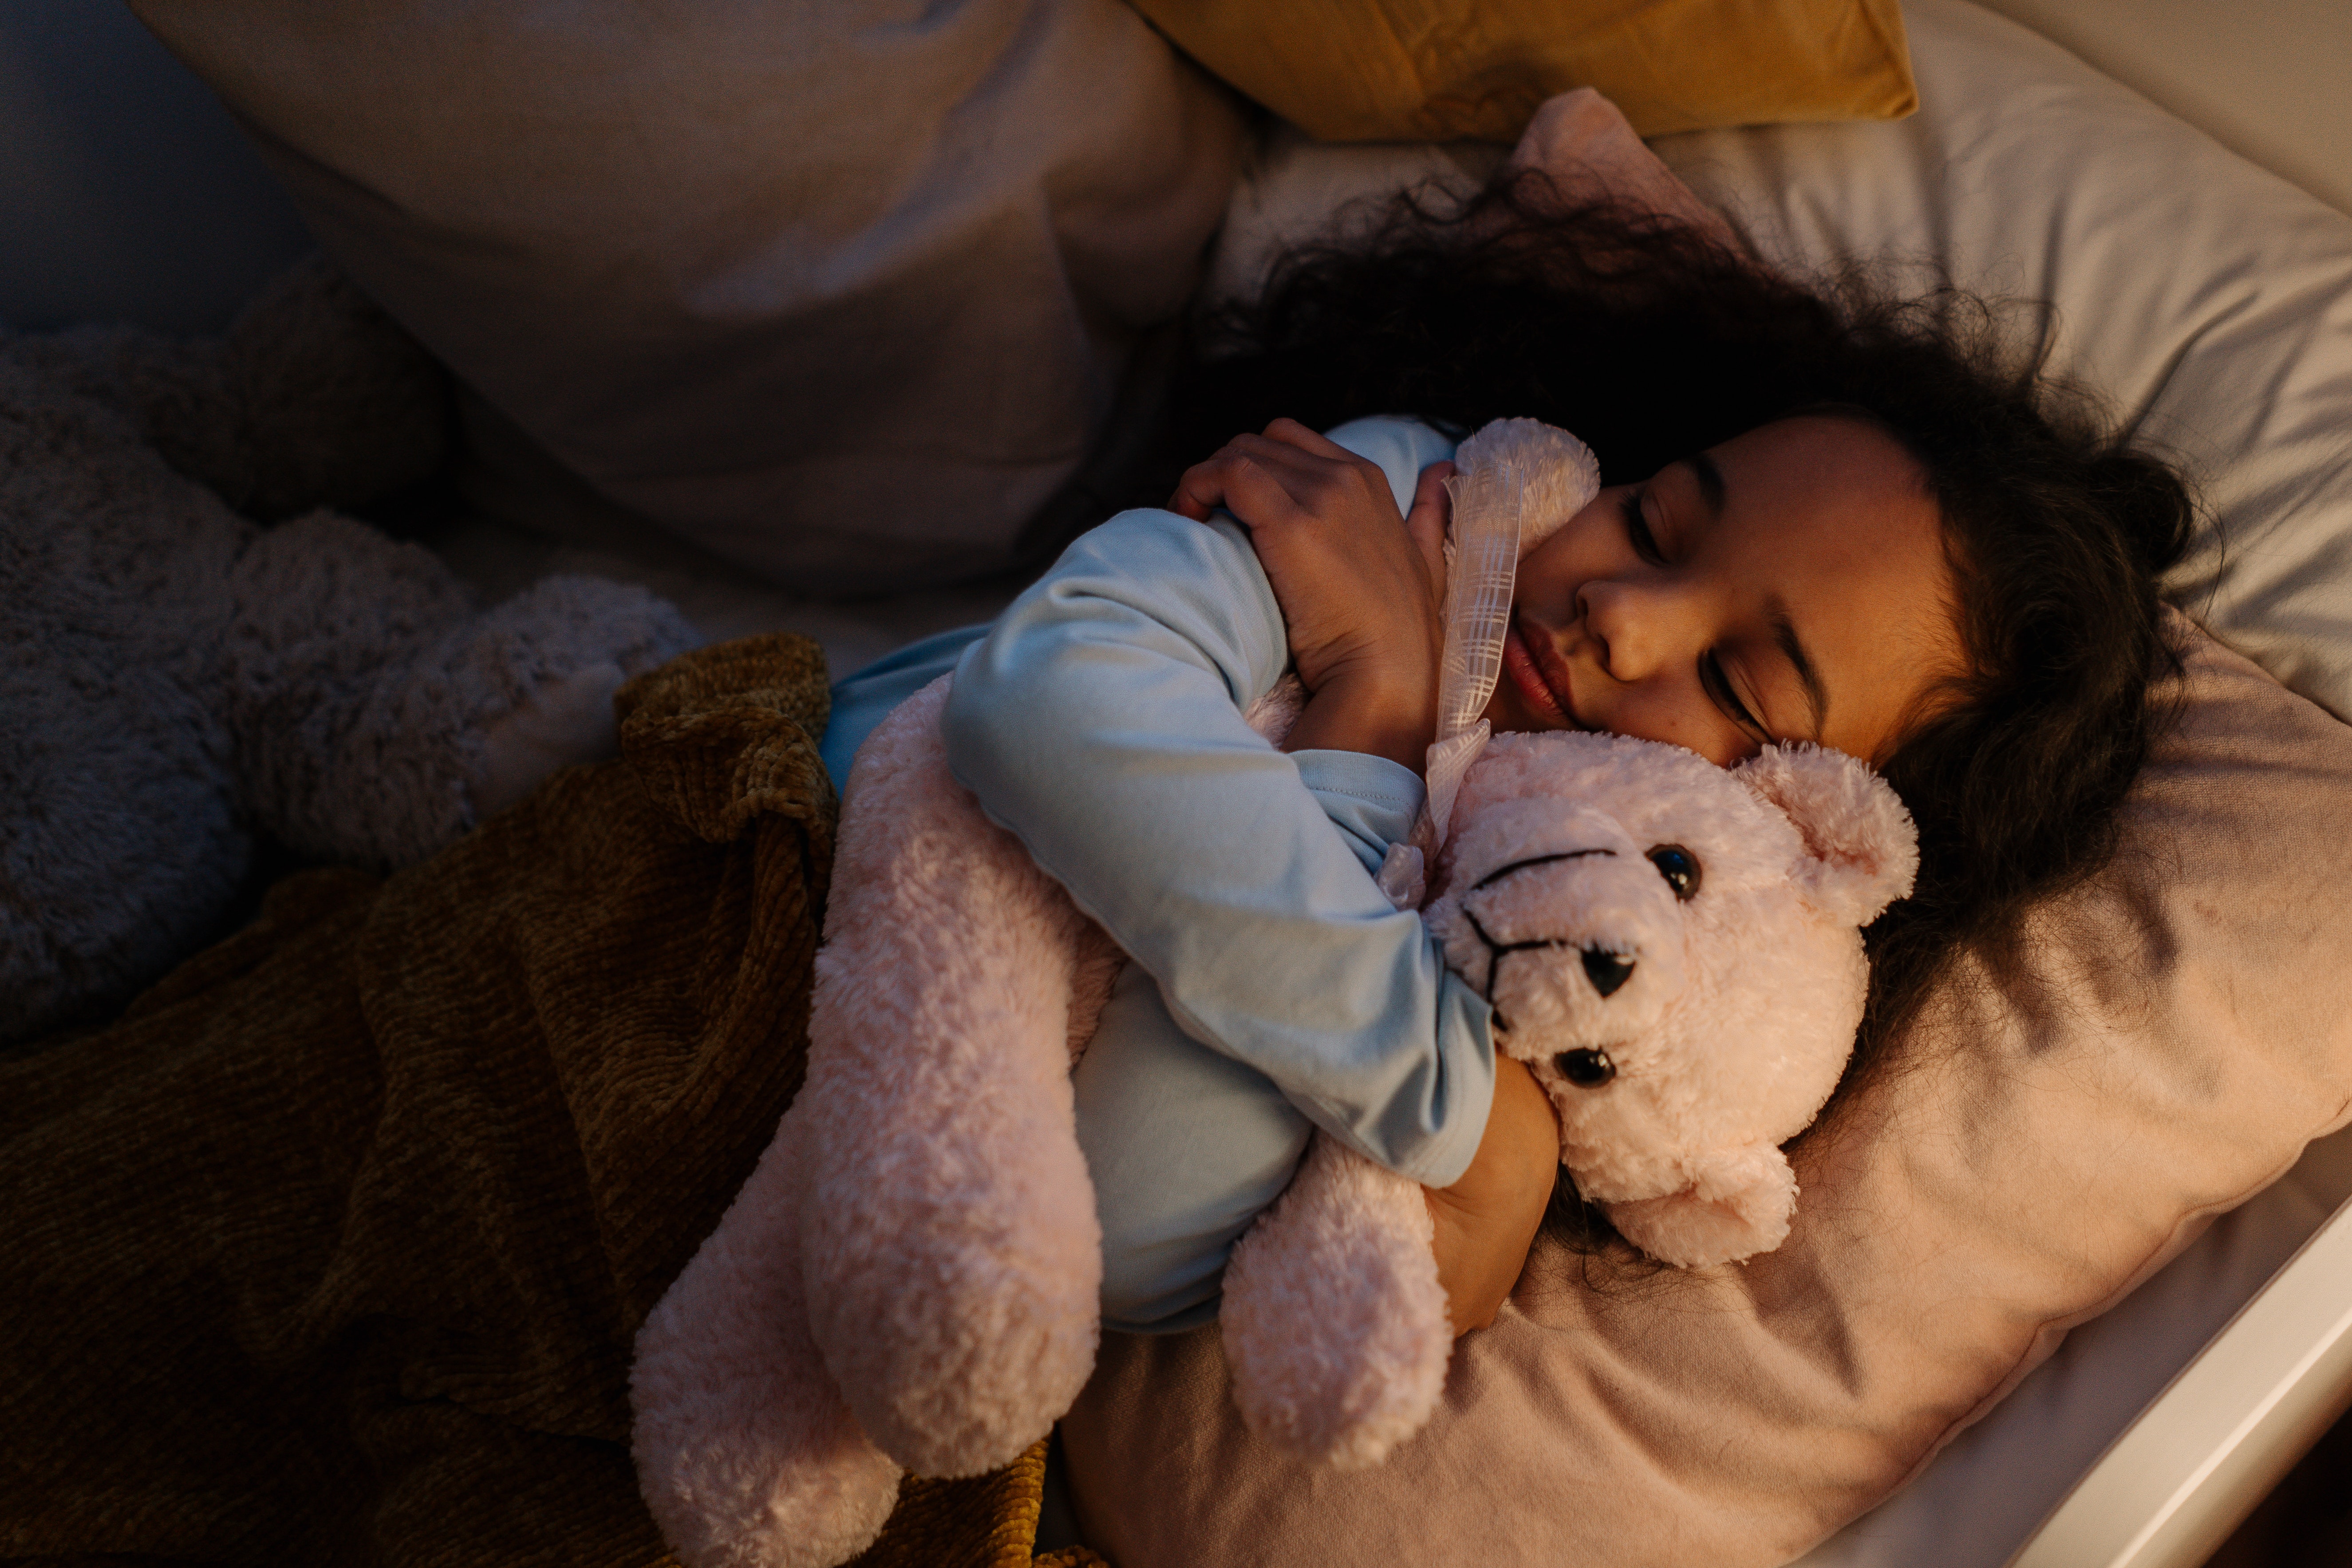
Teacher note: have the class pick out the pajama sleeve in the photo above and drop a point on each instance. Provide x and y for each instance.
(1100, 722)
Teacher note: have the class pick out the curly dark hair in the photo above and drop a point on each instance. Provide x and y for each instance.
(1651, 341)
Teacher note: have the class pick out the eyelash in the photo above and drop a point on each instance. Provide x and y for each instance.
(1637, 530)
(1710, 668)
(1719, 686)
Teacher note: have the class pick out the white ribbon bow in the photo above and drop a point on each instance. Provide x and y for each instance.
(1506, 466)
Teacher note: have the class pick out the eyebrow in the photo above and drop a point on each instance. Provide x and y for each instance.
(1784, 630)
(1784, 636)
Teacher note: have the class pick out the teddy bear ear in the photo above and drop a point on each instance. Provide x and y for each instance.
(1861, 850)
(1737, 1205)
(1558, 475)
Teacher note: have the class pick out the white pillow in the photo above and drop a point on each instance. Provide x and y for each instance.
(2211, 299)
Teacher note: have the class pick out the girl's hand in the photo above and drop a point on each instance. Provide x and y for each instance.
(1359, 588)
(1485, 1222)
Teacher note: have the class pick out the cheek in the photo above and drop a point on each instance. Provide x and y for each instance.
(1588, 545)
(1663, 708)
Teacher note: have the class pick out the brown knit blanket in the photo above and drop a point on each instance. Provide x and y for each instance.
(333, 1249)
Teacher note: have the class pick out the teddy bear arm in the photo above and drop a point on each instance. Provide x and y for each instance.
(375, 716)
(1737, 1204)
(1097, 963)
(745, 1449)
(953, 1256)
(1334, 1321)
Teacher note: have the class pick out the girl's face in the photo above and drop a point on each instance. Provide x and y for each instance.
(1789, 584)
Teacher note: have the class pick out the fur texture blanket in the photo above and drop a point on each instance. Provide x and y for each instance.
(331, 1249)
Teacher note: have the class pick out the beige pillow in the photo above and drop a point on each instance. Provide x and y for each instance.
(841, 291)
(2185, 1027)
(1390, 70)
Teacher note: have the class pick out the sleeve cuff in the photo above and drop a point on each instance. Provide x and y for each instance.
(1370, 800)
(1466, 1029)
(1431, 1134)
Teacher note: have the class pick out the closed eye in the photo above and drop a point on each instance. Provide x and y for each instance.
(1637, 530)
(1718, 689)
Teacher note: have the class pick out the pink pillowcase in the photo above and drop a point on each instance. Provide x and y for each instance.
(2183, 1029)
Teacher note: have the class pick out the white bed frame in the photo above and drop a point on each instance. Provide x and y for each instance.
(2227, 1426)
(2273, 81)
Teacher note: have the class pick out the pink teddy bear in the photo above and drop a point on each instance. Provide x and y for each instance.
(909, 1279)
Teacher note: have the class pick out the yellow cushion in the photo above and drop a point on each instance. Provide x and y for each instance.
(1382, 70)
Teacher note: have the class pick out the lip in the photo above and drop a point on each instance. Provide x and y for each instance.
(1541, 675)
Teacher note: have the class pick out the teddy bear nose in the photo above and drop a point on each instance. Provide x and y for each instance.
(1607, 970)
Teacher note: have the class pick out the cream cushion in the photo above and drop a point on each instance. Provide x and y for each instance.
(842, 292)
(1992, 1486)
(2184, 1028)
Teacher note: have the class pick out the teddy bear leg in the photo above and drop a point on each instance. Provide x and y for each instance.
(745, 1451)
(121, 849)
(377, 717)
(1334, 1321)
(953, 1255)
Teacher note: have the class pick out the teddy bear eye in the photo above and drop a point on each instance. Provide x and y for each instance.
(1587, 1069)
(1679, 866)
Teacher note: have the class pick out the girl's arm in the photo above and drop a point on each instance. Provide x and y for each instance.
(1101, 722)
(1359, 594)
(1483, 1224)
(1353, 614)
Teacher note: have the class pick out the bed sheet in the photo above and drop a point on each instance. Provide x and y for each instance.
(724, 601)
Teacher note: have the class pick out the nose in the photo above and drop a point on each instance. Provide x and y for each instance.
(1643, 625)
(1608, 970)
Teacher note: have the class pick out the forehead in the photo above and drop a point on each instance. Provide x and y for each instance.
(1828, 519)
(1828, 480)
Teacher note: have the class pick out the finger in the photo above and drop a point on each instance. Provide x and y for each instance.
(1202, 489)
(1261, 484)
(1291, 432)
(1426, 521)
(1297, 466)
(1197, 495)
(1314, 449)
(1204, 485)
(1240, 484)
(1325, 482)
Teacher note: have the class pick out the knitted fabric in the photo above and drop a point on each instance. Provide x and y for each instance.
(332, 1248)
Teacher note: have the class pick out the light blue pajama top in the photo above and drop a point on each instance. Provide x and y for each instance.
(1099, 720)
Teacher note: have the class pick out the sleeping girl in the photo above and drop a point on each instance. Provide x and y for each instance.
(1826, 516)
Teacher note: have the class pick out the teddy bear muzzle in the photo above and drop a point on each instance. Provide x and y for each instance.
(1576, 949)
